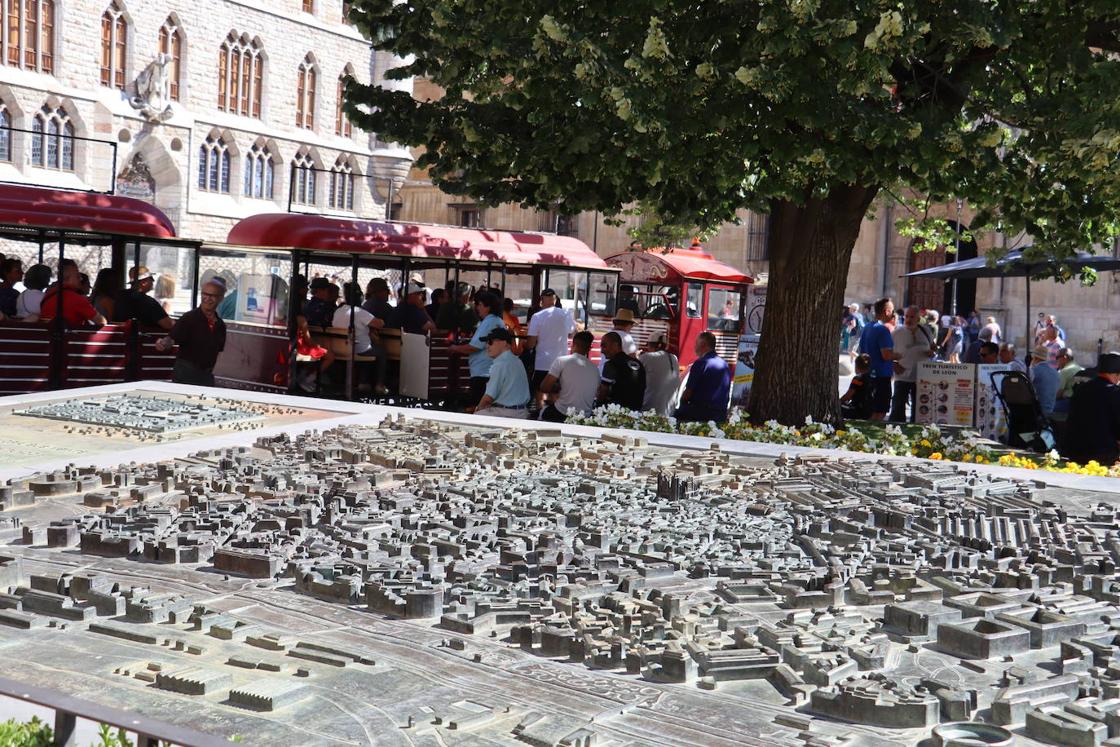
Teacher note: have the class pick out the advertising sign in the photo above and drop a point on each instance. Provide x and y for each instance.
(990, 419)
(946, 393)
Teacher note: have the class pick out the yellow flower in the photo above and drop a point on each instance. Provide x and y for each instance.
(924, 442)
(935, 455)
(966, 458)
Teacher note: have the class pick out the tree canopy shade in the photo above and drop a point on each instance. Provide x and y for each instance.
(806, 109)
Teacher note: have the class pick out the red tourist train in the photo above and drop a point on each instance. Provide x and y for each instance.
(679, 292)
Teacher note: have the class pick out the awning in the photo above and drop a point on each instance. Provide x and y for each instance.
(323, 234)
(693, 263)
(87, 213)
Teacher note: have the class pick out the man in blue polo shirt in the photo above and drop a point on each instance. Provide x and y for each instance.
(708, 388)
(878, 343)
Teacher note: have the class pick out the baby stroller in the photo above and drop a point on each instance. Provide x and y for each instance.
(1027, 426)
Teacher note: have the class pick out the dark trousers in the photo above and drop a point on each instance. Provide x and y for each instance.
(186, 372)
(904, 391)
(478, 388)
(552, 415)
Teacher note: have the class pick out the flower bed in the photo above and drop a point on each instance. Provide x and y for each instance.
(927, 442)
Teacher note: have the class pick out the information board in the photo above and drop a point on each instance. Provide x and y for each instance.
(946, 393)
(990, 419)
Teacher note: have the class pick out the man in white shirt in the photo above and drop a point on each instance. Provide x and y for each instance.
(549, 328)
(363, 323)
(913, 342)
(575, 378)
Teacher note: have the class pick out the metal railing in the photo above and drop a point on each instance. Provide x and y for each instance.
(26, 158)
(68, 709)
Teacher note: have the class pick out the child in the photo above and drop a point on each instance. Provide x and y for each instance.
(856, 402)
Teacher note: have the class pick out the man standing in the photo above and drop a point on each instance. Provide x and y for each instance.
(913, 344)
(413, 316)
(1093, 432)
(489, 308)
(877, 342)
(135, 303)
(663, 376)
(576, 380)
(1044, 379)
(707, 390)
(549, 328)
(624, 378)
(1007, 357)
(507, 389)
(1052, 345)
(201, 336)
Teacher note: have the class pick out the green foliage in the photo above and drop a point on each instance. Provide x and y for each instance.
(654, 230)
(701, 109)
(107, 737)
(33, 733)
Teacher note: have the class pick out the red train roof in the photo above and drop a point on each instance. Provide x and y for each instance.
(88, 212)
(320, 233)
(664, 264)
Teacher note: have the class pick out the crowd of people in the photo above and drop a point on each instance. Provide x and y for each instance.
(887, 350)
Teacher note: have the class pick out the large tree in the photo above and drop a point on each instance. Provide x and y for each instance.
(805, 109)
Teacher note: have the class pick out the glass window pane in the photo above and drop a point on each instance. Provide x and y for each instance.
(68, 147)
(694, 302)
(723, 310)
(225, 171)
(203, 151)
(256, 285)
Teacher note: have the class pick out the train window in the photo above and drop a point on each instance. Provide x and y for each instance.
(603, 293)
(256, 285)
(173, 267)
(571, 289)
(723, 309)
(695, 301)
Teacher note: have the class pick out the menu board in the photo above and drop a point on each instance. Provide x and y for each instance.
(991, 421)
(946, 393)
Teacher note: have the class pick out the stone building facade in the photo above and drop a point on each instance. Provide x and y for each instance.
(238, 115)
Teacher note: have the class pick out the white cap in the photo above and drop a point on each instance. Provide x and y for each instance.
(414, 287)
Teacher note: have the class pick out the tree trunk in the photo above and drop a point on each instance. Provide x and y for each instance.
(797, 363)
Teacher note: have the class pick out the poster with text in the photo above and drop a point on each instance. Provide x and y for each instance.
(990, 419)
(254, 298)
(946, 393)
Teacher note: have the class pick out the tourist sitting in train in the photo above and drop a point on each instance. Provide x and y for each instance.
(458, 314)
(623, 381)
(414, 317)
(318, 358)
(77, 311)
(365, 332)
(377, 303)
(506, 394)
(135, 303)
(11, 273)
(106, 288)
(439, 297)
(35, 281)
(319, 309)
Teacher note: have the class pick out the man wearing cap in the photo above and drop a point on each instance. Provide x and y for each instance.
(1093, 430)
(507, 390)
(489, 308)
(200, 335)
(135, 303)
(1045, 379)
(319, 310)
(549, 328)
(707, 391)
(574, 379)
(456, 313)
(663, 376)
(414, 317)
